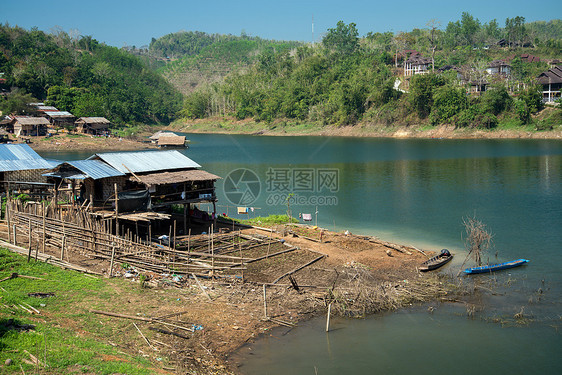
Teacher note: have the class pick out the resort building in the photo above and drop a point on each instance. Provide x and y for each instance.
(551, 82)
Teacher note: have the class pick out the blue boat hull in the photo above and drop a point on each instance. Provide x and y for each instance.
(495, 267)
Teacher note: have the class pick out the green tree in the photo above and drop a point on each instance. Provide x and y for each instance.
(495, 100)
(422, 87)
(448, 101)
(343, 39)
(515, 30)
(469, 27)
(17, 103)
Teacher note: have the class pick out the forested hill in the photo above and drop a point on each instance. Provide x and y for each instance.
(82, 76)
(348, 79)
(190, 59)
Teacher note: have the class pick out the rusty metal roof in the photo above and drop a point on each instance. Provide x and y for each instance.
(146, 161)
(21, 158)
(28, 120)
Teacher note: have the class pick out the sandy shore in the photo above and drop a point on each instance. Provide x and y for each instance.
(449, 132)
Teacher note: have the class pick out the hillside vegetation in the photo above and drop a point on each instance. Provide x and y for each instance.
(82, 76)
(347, 79)
(195, 58)
(344, 80)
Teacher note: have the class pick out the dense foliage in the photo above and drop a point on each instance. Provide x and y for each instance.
(347, 79)
(84, 77)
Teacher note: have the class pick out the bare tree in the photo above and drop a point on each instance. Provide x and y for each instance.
(399, 41)
(433, 24)
(478, 238)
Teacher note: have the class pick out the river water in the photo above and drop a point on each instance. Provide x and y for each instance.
(412, 192)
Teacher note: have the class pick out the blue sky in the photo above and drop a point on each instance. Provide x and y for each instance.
(120, 22)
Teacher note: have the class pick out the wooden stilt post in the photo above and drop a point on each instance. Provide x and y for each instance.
(15, 236)
(184, 218)
(188, 245)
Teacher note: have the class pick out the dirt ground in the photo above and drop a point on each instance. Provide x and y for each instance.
(231, 312)
(66, 142)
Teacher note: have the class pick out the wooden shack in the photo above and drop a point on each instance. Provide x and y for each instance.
(172, 141)
(4, 136)
(93, 125)
(29, 126)
(61, 119)
(89, 180)
(21, 170)
(171, 177)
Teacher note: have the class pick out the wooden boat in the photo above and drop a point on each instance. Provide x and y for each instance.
(495, 267)
(437, 261)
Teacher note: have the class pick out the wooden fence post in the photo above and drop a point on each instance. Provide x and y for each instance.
(111, 264)
(116, 211)
(29, 253)
(44, 235)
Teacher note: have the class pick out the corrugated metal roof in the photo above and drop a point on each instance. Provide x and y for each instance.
(95, 169)
(146, 161)
(59, 114)
(93, 120)
(21, 157)
(47, 108)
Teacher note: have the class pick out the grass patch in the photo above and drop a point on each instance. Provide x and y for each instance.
(269, 220)
(65, 336)
(261, 220)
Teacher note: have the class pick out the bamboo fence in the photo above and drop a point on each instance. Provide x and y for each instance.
(75, 230)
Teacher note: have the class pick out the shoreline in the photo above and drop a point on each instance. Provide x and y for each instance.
(361, 131)
(234, 316)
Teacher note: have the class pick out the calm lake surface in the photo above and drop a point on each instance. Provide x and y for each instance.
(412, 192)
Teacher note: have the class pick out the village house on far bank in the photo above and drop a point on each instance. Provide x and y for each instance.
(551, 82)
(168, 139)
(29, 126)
(416, 64)
(61, 119)
(93, 125)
